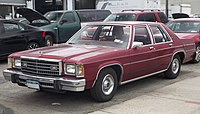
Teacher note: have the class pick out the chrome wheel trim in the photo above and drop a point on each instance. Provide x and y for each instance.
(197, 57)
(175, 66)
(33, 46)
(48, 42)
(108, 84)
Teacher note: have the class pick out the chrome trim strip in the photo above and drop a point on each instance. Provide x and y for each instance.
(44, 59)
(189, 44)
(147, 60)
(108, 66)
(134, 79)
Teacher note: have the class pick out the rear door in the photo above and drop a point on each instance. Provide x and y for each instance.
(163, 46)
(68, 25)
(12, 38)
(142, 58)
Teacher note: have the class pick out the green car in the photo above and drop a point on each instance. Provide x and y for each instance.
(61, 25)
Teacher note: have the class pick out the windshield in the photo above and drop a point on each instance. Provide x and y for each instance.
(121, 17)
(184, 26)
(53, 16)
(102, 35)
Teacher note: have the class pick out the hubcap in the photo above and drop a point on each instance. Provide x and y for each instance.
(175, 66)
(197, 57)
(108, 84)
(48, 43)
(33, 46)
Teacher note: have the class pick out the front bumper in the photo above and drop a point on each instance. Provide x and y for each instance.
(56, 83)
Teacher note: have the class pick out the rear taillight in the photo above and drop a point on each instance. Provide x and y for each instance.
(43, 34)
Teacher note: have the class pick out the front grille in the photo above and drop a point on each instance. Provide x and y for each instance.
(40, 67)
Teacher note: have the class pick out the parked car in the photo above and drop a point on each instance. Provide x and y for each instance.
(61, 25)
(188, 28)
(114, 54)
(16, 36)
(138, 15)
(1, 17)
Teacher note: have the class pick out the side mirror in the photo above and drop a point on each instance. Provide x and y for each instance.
(137, 44)
(63, 21)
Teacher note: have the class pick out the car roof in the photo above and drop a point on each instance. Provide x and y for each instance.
(187, 19)
(78, 10)
(136, 12)
(122, 23)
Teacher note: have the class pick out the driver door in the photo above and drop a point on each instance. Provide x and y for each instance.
(68, 25)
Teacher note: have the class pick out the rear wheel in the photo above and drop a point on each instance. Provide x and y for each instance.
(197, 54)
(105, 86)
(174, 68)
(32, 45)
(49, 40)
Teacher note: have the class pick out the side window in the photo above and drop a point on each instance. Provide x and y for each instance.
(159, 35)
(150, 17)
(11, 27)
(68, 18)
(141, 17)
(142, 35)
(163, 17)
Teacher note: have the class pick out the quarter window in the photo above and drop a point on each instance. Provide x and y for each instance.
(147, 17)
(142, 35)
(159, 34)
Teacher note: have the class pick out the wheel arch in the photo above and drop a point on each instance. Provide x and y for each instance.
(30, 41)
(51, 34)
(116, 67)
(181, 54)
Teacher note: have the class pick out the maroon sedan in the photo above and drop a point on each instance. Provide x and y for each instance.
(100, 57)
(188, 28)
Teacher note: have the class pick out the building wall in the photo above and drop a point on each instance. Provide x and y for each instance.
(194, 4)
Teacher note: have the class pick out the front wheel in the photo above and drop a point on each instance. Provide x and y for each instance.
(105, 86)
(174, 68)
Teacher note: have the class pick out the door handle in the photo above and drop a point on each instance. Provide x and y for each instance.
(151, 48)
(170, 45)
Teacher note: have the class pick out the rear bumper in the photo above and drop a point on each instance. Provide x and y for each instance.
(56, 83)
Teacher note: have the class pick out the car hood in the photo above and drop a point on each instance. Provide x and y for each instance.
(186, 35)
(180, 15)
(31, 15)
(69, 52)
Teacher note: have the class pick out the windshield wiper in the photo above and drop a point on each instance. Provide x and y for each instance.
(71, 43)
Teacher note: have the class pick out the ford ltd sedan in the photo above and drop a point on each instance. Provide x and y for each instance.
(100, 57)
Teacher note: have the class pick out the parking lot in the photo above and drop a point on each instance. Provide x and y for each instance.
(20, 100)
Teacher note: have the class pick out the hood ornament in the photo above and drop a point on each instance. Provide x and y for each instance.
(41, 52)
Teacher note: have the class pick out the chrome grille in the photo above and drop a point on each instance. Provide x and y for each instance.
(41, 67)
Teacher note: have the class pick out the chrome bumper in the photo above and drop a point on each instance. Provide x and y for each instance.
(57, 83)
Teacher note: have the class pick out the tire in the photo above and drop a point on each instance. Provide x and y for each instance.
(49, 40)
(105, 86)
(174, 68)
(196, 58)
(32, 45)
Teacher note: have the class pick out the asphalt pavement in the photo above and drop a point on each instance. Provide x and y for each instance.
(179, 98)
(152, 95)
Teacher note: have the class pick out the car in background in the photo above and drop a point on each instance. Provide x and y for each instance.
(16, 36)
(188, 28)
(61, 25)
(1, 17)
(138, 15)
(114, 54)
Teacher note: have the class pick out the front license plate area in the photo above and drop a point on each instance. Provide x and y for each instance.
(33, 84)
